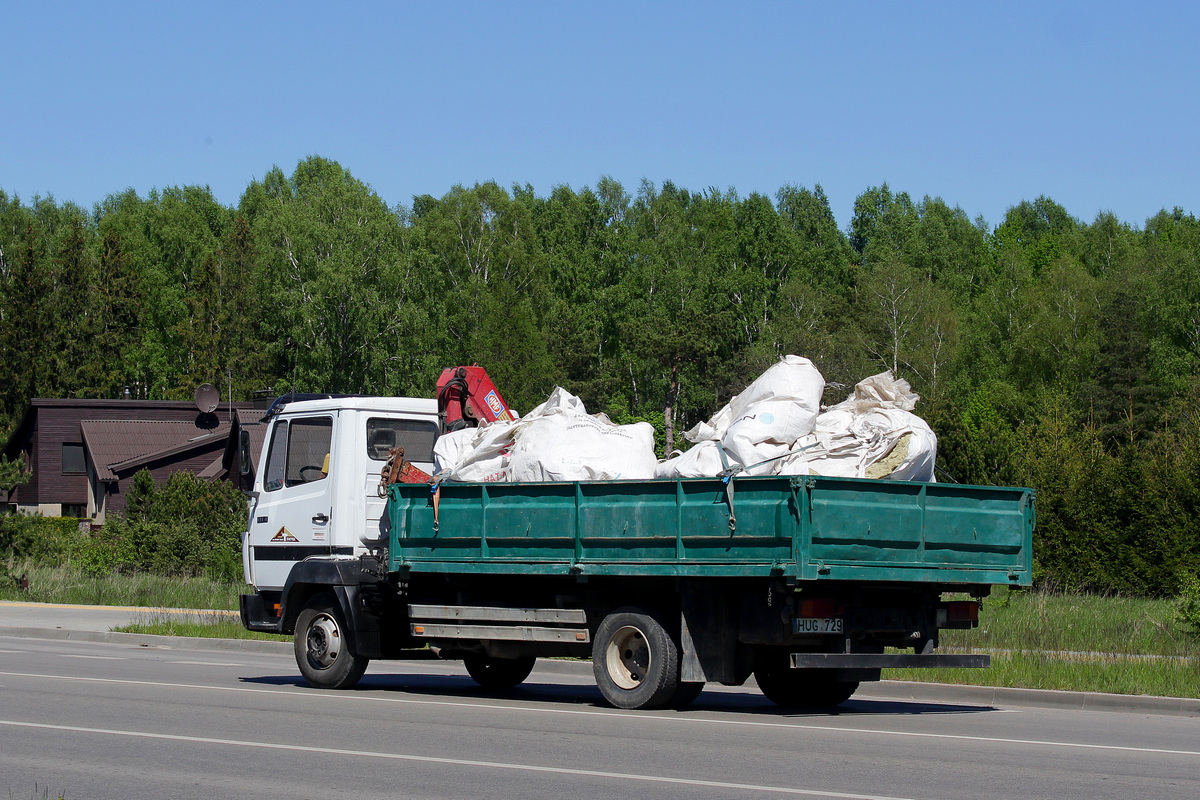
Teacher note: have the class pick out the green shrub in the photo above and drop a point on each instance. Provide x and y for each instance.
(187, 527)
(36, 538)
(1187, 605)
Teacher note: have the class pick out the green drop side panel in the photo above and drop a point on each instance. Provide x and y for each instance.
(807, 528)
(907, 531)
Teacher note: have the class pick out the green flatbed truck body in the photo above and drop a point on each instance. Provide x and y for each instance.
(799, 528)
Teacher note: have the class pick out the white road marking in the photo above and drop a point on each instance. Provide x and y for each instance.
(14, 651)
(209, 663)
(97, 658)
(626, 716)
(459, 762)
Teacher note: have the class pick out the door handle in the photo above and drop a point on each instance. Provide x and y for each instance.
(320, 519)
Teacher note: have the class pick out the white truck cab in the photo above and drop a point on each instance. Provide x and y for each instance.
(317, 490)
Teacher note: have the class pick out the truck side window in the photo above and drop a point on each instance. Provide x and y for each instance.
(299, 452)
(415, 436)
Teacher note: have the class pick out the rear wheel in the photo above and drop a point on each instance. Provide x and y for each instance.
(498, 673)
(686, 694)
(801, 688)
(635, 660)
(323, 648)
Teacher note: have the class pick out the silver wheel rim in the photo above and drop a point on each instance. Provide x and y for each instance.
(324, 642)
(627, 657)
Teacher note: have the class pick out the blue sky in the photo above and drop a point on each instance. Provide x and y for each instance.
(983, 104)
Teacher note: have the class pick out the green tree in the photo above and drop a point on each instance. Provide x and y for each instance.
(327, 252)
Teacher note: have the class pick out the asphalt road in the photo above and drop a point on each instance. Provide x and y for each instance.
(105, 720)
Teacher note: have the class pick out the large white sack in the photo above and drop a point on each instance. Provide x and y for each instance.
(556, 441)
(766, 431)
(481, 455)
(701, 461)
(486, 455)
(881, 391)
(793, 379)
(573, 447)
(560, 401)
(872, 434)
(452, 448)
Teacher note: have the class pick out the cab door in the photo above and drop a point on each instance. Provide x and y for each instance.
(293, 515)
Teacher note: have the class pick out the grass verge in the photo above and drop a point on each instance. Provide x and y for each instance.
(203, 626)
(71, 585)
(1043, 640)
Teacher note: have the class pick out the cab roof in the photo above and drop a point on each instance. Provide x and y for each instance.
(406, 405)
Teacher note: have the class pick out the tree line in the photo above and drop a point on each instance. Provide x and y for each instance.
(1049, 351)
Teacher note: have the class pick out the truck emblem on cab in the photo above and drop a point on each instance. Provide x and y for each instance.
(284, 535)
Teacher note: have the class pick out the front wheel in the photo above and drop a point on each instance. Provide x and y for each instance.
(498, 673)
(323, 648)
(635, 660)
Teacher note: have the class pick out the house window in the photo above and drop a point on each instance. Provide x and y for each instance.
(77, 510)
(72, 459)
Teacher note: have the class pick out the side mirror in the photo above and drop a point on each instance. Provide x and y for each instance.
(244, 452)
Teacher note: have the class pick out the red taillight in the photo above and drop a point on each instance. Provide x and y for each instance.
(818, 607)
(963, 611)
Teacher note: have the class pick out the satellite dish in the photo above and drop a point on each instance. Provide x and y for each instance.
(207, 398)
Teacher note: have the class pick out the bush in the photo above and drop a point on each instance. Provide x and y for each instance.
(1187, 605)
(186, 527)
(37, 538)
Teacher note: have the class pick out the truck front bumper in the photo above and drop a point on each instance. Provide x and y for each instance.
(257, 615)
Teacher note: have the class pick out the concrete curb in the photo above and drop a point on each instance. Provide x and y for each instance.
(148, 640)
(917, 691)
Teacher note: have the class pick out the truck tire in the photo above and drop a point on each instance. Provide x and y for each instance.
(686, 694)
(801, 688)
(635, 660)
(498, 673)
(324, 650)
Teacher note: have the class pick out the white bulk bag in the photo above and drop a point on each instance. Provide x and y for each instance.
(574, 447)
(701, 461)
(872, 434)
(764, 432)
(485, 459)
(793, 379)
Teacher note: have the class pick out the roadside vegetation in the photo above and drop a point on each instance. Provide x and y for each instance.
(176, 546)
(1049, 640)
(208, 626)
(75, 585)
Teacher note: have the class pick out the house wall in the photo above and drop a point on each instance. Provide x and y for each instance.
(54, 427)
(56, 422)
(161, 470)
(25, 496)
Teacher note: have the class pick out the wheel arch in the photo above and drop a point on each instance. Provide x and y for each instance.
(314, 576)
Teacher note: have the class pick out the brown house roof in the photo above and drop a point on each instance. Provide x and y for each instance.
(121, 445)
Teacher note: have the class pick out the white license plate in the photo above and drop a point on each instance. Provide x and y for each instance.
(817, 625)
